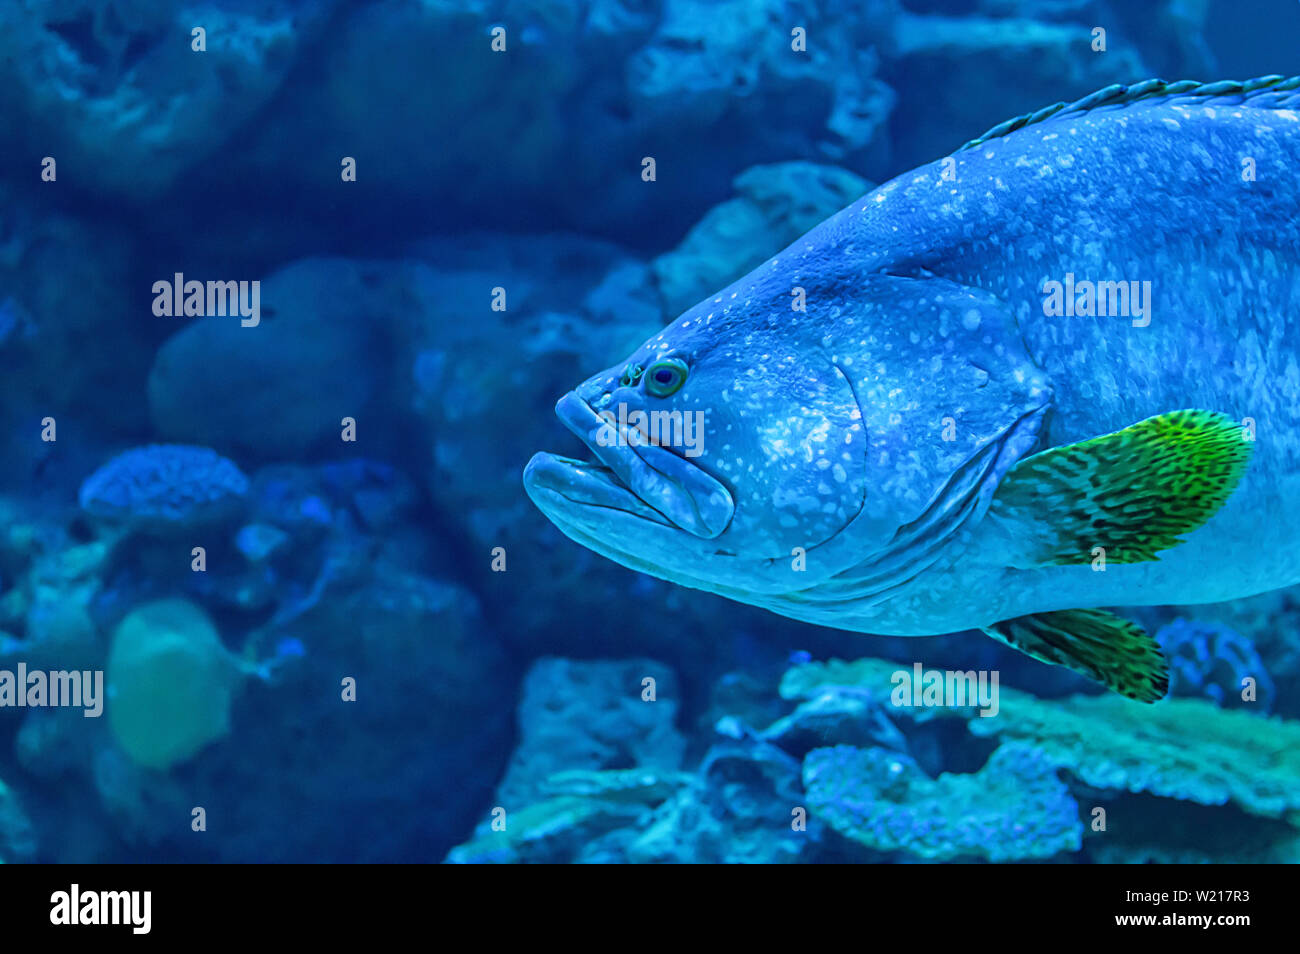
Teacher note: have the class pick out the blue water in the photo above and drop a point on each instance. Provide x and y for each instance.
(340, 631)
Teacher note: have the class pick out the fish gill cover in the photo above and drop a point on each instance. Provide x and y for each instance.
(923, 485)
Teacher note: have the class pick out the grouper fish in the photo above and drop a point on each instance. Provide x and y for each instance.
(1051, 373)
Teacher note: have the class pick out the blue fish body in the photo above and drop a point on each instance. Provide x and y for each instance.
(871, 401)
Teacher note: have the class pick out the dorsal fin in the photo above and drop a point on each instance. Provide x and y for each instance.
(1117, 94)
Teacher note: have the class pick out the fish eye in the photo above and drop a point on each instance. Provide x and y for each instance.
(665, 377)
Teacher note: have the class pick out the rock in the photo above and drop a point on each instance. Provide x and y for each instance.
(774, 205)
(18, 840)
(282, 388)
(400, 773)
(702, 90)
(118, 95)
(998, 69)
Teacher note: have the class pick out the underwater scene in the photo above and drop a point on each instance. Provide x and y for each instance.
(673, 431)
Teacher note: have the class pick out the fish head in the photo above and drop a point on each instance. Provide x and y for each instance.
(737, 440)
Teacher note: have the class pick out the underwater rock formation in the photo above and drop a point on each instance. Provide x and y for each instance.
(591, 716)
(774, 205)
(635, 80)
(308, 774)
(120, 94)
(565, 798)
(998, 68)
(17, 834)
(276, 390)
(63, 310)
(597, 747)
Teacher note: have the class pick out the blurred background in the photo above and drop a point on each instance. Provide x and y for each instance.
(497, 670)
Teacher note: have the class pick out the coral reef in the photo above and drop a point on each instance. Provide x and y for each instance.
(1183, 752)
(1010, 810)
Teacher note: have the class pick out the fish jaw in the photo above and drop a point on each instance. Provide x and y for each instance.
(645, 482)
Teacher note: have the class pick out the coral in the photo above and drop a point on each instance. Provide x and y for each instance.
(164, 485)
(590, 715)
(634, 786)
(259, 541)
(1187, 749)
(583, 806)
(866, 677)
(170, 683)
(548, 832)
(835, 718)
(1211, 660)
(1010, 810)
(737, 807)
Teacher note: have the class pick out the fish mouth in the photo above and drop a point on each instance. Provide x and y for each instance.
(629, 475)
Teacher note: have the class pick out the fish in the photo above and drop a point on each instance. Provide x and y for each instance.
(1048, 375)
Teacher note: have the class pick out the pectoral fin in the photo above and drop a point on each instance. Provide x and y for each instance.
(1132, 492)
(1099, 645)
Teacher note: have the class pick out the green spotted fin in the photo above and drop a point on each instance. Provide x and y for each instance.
(1131, 493)
(1100, 645)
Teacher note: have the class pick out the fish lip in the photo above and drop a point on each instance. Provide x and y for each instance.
(585, 484)
(680, 493)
